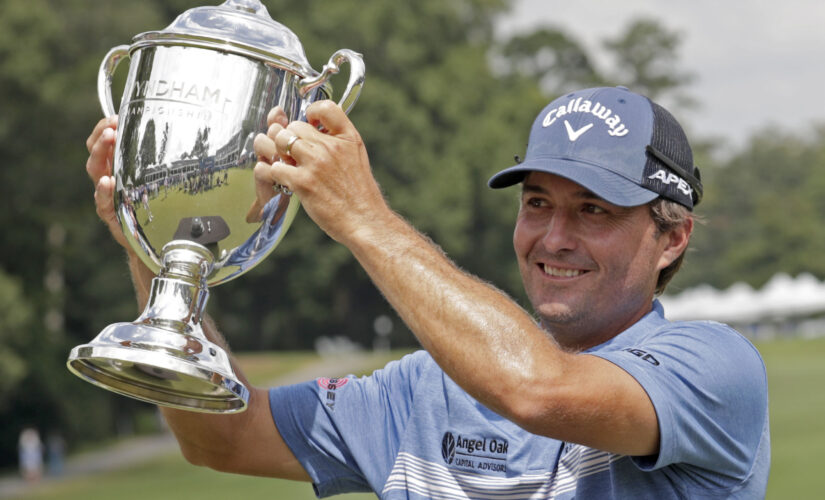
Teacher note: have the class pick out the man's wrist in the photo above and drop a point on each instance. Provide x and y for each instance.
(381, 231)
(142, 278)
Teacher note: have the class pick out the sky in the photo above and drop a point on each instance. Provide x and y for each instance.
(757, 64)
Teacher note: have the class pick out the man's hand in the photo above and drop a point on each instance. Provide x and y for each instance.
(325, 163)
(101, 146)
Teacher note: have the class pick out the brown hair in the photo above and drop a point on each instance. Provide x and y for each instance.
(668, 215)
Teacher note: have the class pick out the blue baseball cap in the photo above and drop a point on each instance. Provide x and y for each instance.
(620, 145)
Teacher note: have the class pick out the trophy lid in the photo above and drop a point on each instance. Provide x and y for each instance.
(240, 26)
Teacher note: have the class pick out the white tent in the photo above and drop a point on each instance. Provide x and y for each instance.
(783, 298)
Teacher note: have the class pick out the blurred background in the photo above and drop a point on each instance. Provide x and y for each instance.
(452, 88)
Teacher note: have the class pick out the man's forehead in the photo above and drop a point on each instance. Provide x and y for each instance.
(544, 183)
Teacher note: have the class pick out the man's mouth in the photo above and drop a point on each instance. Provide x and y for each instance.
(558, 272)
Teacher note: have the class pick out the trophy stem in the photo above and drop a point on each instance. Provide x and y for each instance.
(179, 293)
(163, 357)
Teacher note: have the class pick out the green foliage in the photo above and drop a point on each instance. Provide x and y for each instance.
(764, 213)
(15, 317)
(539, 55)
(644, 59)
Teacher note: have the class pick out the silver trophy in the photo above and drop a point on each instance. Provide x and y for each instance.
(196, 95)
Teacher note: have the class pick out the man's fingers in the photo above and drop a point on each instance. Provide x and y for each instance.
(278, 174)
(100, 155)
(273, 130)
(110, 122)
(263, 192)
(263, 183)
(277, 115)
(290, 143)
(104, 205)
(331, 117)
(104, 193)
(264, 147)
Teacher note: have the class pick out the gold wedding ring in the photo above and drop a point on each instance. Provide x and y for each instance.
(292, 140)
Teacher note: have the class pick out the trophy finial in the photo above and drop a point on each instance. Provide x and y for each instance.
(251, 6)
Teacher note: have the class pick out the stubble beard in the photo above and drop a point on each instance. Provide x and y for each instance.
(566, 325)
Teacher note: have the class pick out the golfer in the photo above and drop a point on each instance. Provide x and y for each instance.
(596, 395)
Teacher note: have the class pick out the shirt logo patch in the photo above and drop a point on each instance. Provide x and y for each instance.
(644, 355)
(331, 385)
(479, 454)
(448, 447)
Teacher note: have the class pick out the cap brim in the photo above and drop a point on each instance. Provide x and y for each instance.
(605, 184)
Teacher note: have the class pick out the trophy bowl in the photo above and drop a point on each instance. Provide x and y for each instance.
(197, 93)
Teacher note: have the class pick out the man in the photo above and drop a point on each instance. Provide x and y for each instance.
(602, 398)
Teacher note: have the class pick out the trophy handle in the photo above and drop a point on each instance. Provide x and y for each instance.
(104, 78)
(356, 77)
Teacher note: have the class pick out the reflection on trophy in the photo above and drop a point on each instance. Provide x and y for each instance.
(196, 95)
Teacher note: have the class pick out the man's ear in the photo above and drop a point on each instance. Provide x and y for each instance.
(676, 242)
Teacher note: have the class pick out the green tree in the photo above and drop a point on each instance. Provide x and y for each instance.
(49, 55)
(551, 57)
(764, 209)
(645, 60)
(15, 320)
(643, 57)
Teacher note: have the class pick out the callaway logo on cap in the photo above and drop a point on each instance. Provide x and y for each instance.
(621, 146)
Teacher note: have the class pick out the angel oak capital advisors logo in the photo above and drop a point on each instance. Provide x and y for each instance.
(482, 454)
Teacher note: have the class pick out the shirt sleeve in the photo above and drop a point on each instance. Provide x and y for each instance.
(709, 387)
(346, 431)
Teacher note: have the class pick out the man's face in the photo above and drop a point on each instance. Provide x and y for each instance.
(589, 267)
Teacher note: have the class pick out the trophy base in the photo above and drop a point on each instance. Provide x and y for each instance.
(161, 367)
(164, 357)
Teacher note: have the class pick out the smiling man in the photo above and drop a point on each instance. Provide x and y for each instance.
(603, 397)
(578, 254)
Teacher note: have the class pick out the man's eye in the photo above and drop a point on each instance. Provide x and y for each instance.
(594, 209)
(534, 202)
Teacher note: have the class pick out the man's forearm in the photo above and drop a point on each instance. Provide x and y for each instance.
(141, 279)
(206, 437)
(199, 435)
(463, 322)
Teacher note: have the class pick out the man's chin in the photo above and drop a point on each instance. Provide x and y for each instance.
(556, 314)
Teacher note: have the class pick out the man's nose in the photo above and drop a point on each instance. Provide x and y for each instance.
(560, 233)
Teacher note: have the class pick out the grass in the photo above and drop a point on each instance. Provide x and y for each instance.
(796, 377)
(171, 477)
(796, 374)
(262, 367)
